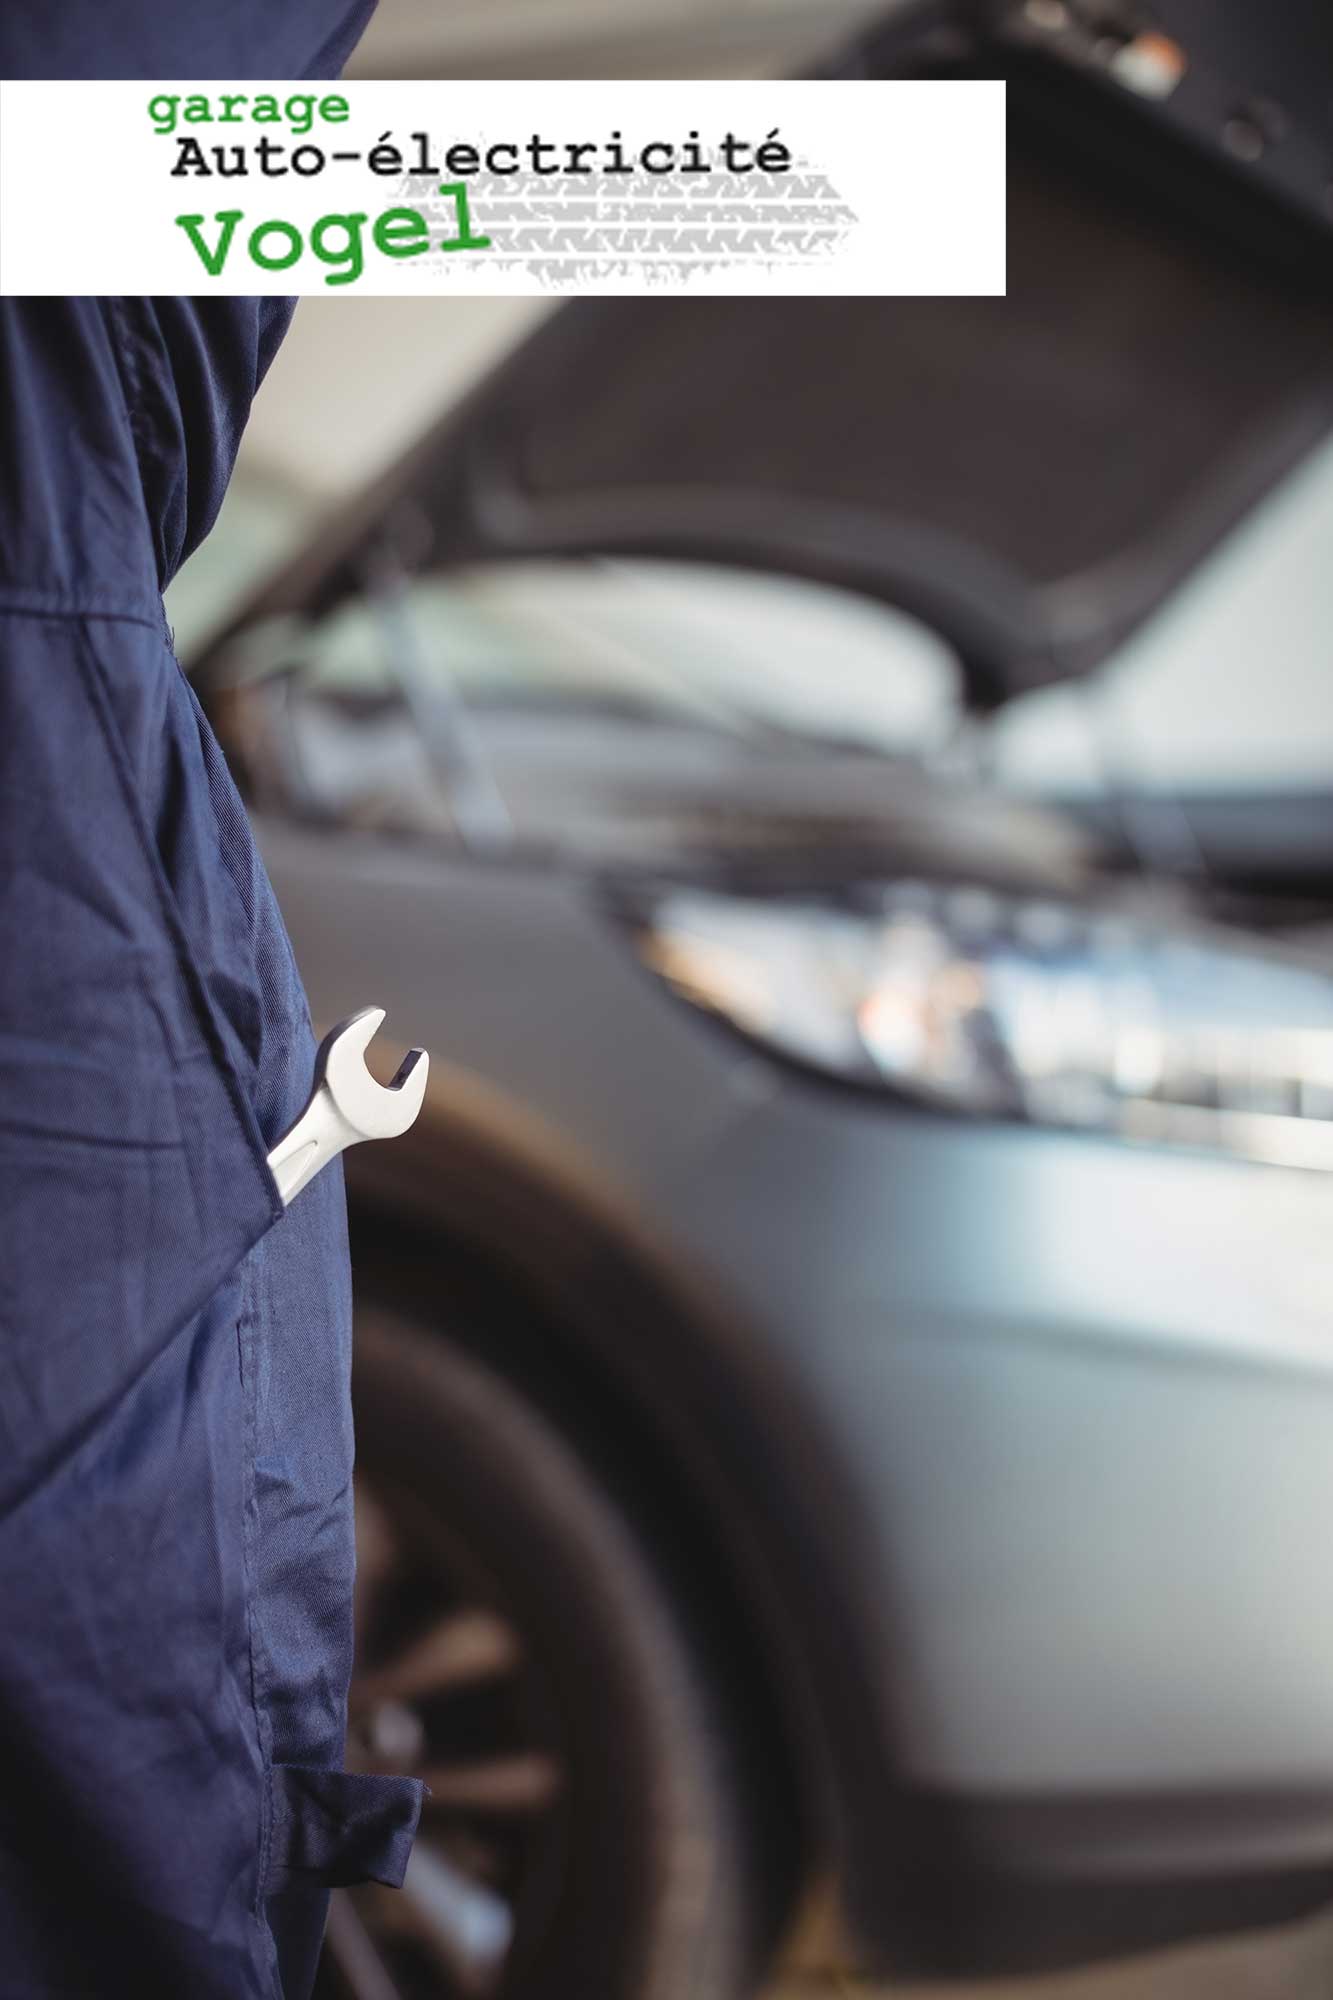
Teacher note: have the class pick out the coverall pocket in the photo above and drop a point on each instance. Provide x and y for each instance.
(340, 1827)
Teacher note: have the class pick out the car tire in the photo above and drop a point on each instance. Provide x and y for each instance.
(647, 1888)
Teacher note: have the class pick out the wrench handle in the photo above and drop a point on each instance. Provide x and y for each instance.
(316, 1137)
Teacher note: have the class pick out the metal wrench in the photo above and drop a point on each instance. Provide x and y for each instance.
(346, 1104)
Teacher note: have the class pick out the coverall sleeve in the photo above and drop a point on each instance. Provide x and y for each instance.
(175, 1435)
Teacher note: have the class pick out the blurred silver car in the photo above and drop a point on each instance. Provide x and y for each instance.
(844, 1375)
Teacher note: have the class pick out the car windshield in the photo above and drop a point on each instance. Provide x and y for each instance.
(1226, 689)
(654, 641)
(1204, 746)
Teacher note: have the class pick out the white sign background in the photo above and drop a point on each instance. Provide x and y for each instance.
(896, 188)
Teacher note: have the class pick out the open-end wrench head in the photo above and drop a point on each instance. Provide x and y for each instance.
(374, 1110)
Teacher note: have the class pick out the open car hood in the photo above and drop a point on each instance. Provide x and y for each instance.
(1032, 475)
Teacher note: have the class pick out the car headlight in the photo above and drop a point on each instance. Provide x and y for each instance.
(1046, 1012)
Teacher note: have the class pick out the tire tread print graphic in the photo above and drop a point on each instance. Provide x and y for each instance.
(567, 229)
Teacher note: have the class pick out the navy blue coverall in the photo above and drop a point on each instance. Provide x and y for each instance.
(175, 1436)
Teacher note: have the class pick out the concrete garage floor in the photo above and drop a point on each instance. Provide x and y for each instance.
(1293, 1964)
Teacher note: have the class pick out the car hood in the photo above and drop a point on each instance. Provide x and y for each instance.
(1032, 475)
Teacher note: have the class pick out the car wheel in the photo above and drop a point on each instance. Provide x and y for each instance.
(585, 1836)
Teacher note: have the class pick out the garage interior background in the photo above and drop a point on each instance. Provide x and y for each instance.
(359, 379)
